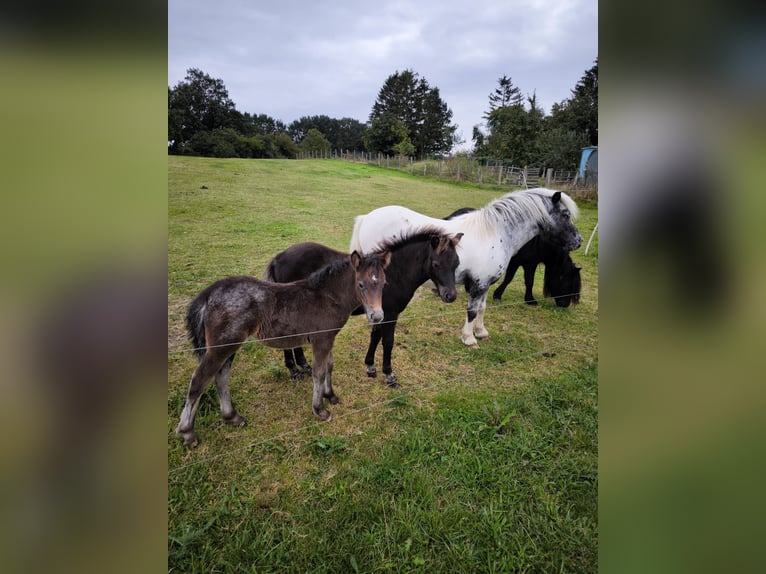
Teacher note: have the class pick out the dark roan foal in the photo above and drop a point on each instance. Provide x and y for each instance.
(429, 254)
(561, 280)
(226, 313)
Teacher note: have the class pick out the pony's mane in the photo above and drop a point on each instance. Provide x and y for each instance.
(519, 206)
(320, 276)
(408, 237)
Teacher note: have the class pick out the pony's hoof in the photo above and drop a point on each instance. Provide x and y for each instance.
(391, 381)
(322, 414)
(531, 302)
(306, 369)
(236, 421)
(190, 439)
(334, 400)
(372, 371)
(497, 298)
(295, 374)
(482, 335)
(470, 342)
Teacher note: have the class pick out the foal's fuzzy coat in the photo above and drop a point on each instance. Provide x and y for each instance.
(283, 316)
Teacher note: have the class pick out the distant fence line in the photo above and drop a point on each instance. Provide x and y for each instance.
(462, 169)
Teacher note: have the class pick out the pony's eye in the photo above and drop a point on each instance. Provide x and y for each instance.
(435, 264)
(361, 286)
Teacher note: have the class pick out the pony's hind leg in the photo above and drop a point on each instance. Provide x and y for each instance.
(229, 415)
(208, 366)
(509, 274)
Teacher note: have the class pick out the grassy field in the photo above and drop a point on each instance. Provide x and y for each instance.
(484, 461)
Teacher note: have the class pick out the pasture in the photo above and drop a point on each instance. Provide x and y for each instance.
(485, 460)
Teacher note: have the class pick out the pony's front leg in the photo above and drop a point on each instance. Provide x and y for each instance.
(327, 391)
(477, 303)
(389, 330)
(300, 359)
(467, 335)
(478, 327)
(290, 364)
(369, 359)
(322, 375)
(529, 282)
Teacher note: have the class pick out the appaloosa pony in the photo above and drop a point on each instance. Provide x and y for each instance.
(493, 234)
(561, 280)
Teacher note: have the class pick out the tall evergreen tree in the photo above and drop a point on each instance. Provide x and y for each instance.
(408, 100)
(579, 113)
(506, 94)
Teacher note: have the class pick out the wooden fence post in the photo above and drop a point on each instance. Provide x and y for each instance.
(548, 176)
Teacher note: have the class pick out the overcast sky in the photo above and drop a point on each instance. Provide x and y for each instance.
(294, 58)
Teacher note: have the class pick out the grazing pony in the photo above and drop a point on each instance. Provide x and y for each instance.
(493, 234)
(428, 254)
(561, 280)
(283, 316)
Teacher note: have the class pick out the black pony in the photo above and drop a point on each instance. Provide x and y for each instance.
(428, 254)
(561, 279)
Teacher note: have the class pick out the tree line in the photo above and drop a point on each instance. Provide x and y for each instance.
(408, 118)
(519, 133)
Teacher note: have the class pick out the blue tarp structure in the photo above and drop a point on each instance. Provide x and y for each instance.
(587, 173)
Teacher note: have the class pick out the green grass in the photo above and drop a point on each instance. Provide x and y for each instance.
(484, 461)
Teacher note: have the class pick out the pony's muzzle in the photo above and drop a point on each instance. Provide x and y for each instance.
(448, 295)
(374, 315)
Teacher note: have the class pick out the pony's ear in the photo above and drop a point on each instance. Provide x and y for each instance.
(435, 241)
(386, 257)
(556, 197)
(356, 259)
(457, 238)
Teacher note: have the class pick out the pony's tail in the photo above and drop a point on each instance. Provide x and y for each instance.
(195, 323)
(270, 274)
(355, 245)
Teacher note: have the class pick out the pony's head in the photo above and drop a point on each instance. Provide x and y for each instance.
(442, 263)
(561, 231)
(562, 281)
(370, 277)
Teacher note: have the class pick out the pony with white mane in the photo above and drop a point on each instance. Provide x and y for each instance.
(491, 236)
